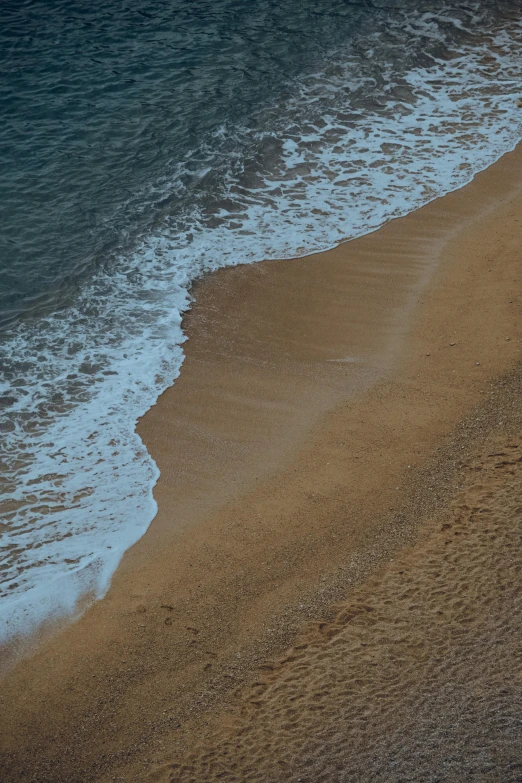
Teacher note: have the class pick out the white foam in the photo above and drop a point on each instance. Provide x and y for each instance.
(79, 478)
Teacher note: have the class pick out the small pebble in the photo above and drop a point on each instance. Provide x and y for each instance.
(478, 364)
(452, 343)
(508, 339)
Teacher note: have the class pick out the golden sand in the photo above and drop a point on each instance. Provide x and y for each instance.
(419, 676)
(298, 455)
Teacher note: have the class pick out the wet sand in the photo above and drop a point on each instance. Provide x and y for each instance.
(298, 454)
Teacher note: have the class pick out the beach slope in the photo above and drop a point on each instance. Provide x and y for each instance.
(329, 412)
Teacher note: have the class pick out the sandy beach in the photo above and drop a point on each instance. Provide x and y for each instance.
(329, 590)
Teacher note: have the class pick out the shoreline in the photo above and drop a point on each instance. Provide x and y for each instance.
(276, 383)
(18, 644)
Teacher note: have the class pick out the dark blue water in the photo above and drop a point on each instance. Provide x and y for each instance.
(99, 102)
(144, 144)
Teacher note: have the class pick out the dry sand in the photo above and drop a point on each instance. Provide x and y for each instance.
(298, 453)
(418, 678)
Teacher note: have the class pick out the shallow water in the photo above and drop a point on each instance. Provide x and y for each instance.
(145, 145)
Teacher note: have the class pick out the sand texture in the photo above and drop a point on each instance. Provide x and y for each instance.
(419, 676)
(332, 416)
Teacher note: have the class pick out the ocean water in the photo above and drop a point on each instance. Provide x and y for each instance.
(143, 144)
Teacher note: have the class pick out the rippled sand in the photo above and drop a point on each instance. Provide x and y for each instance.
(419, 676)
